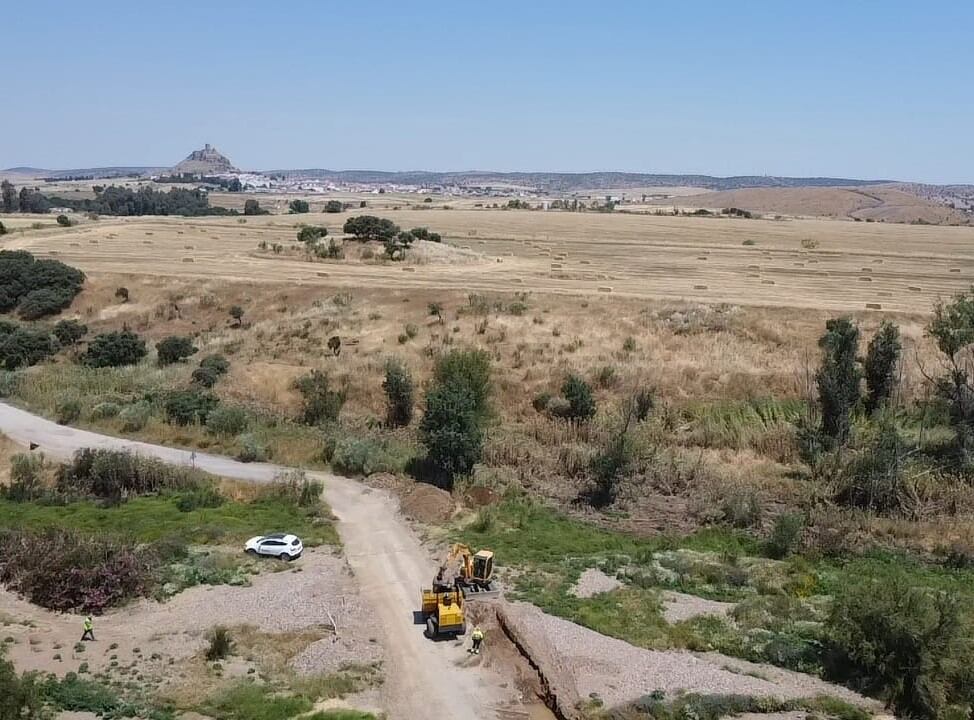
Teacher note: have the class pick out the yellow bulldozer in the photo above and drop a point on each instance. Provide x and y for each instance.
(443, 603)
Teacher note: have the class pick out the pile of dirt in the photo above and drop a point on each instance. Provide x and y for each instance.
(427, 504)
(480, 496)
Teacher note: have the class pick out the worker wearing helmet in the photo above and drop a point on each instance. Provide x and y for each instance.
(478, 639)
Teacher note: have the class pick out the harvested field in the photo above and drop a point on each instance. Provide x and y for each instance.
(643, 256)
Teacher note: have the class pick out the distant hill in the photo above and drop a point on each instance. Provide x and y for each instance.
(569, 182)
(95, 173)
(207, 161)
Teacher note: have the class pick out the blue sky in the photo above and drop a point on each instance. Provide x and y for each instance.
(856, 88)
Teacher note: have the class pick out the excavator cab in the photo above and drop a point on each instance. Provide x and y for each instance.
(443, 611)
(482, 569)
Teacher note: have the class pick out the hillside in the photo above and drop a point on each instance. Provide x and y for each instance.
(880, 203)
(207, 161)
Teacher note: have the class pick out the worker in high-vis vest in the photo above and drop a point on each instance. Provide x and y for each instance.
(478, 639)
(89, 627)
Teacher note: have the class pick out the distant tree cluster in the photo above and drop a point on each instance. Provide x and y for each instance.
(229, 184)
(252, 207)
(334, 206)
(298, 206)
(116, 200)
(395, 240)
(36, 288)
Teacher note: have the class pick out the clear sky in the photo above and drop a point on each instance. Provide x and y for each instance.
(851, 88)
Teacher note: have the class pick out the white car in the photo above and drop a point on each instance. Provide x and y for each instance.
(280, 545)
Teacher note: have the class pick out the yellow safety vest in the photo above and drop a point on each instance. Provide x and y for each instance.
(88, 624)
(478, 635)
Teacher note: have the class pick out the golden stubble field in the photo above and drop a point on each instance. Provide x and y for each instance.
(823, 264)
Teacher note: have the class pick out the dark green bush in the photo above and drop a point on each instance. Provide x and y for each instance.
(880, 365)
(205, 496)
(69, 332)
(227, 420)
(580, 399)
(320, 403)
(218, 363)
(64, 221)
(205, 377)
(908, 645)
(185, 407)
(838, 377)
(174, 348)
(219, 643)
(785, 535)
(20, 695)
(115, 349)
(398, 387)
(24, 346)
(67, 412)
(44, 301)
(114, 475)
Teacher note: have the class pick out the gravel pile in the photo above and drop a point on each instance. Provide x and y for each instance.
(619, 672)
(593, 582)
(680, 606)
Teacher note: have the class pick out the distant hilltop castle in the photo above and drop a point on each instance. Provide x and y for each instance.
(207, 161)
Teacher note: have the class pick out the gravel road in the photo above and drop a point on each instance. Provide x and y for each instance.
(422, 678)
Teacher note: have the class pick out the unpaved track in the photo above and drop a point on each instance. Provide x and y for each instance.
(423, 679)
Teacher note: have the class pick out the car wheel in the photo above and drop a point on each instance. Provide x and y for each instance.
(251, 551)
(284, 556)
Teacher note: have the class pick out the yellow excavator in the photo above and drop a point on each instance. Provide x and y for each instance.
(443, 603)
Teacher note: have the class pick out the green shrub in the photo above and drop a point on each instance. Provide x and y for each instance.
(44, 301)
(398, 387)
(135, 417)
(67, 412)
(205, 377)
(320, 403)
(249, 701)
(173, 349)
(250, 448)
(875, 476)
(785, 535)
(185, 407)
(907, 644)
(205, 496)
(20, 695)
(227, 420)
(742, 509)
(115, 349)
(69, 332)
(216, 362)
(24, 346)
(880, 365)
(580, 399)
(838, 377)
(26, 478)
(115, 474)
(297, 488)
(363, 456)
(105, 410)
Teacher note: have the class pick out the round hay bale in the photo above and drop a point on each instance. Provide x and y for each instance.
(957, 270)
(754, 275)
(75, 244)
(865, 279)
(584, 262)
(188, 247)
(878, 261)
(767, 282)
(427, 504)
(865, 270)
(873, 306)
(146, 242)
(556, 266)
(702, 257)
(53, 252)
(699, 287)
(914, 288)
(93, 241)
(409, 269)
(188, 259)
(321, 274)
(605, 288)
(798, 264)
(884, 293)
(753, 267)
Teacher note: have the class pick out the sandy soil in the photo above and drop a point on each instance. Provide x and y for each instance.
(679, 606)
(592, 582)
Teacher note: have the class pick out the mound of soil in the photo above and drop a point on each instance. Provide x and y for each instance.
(480, 496)
(427, 504)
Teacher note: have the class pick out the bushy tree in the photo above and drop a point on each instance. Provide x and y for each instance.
(370, 227)
(333, 206)
(423, 233)
(237, 313)
(20, 695)
(114, 349)
(310, 234)
(8, 197)
(398, 387)
(453, 427)
(908, 645)
(122, 293)
(952, 328)
(298, 206)
(69, 332)
(50, 285)
(838, 377)
(24, 346)
(880, 365)
(252, 207)
(174, 349)
(185, 407)
(43, 302)
(64, 221)
(320, 403)
(581, 401)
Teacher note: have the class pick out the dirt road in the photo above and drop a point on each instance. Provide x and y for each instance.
(422, 678)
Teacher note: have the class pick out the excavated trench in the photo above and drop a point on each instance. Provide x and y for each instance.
(557, 692)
